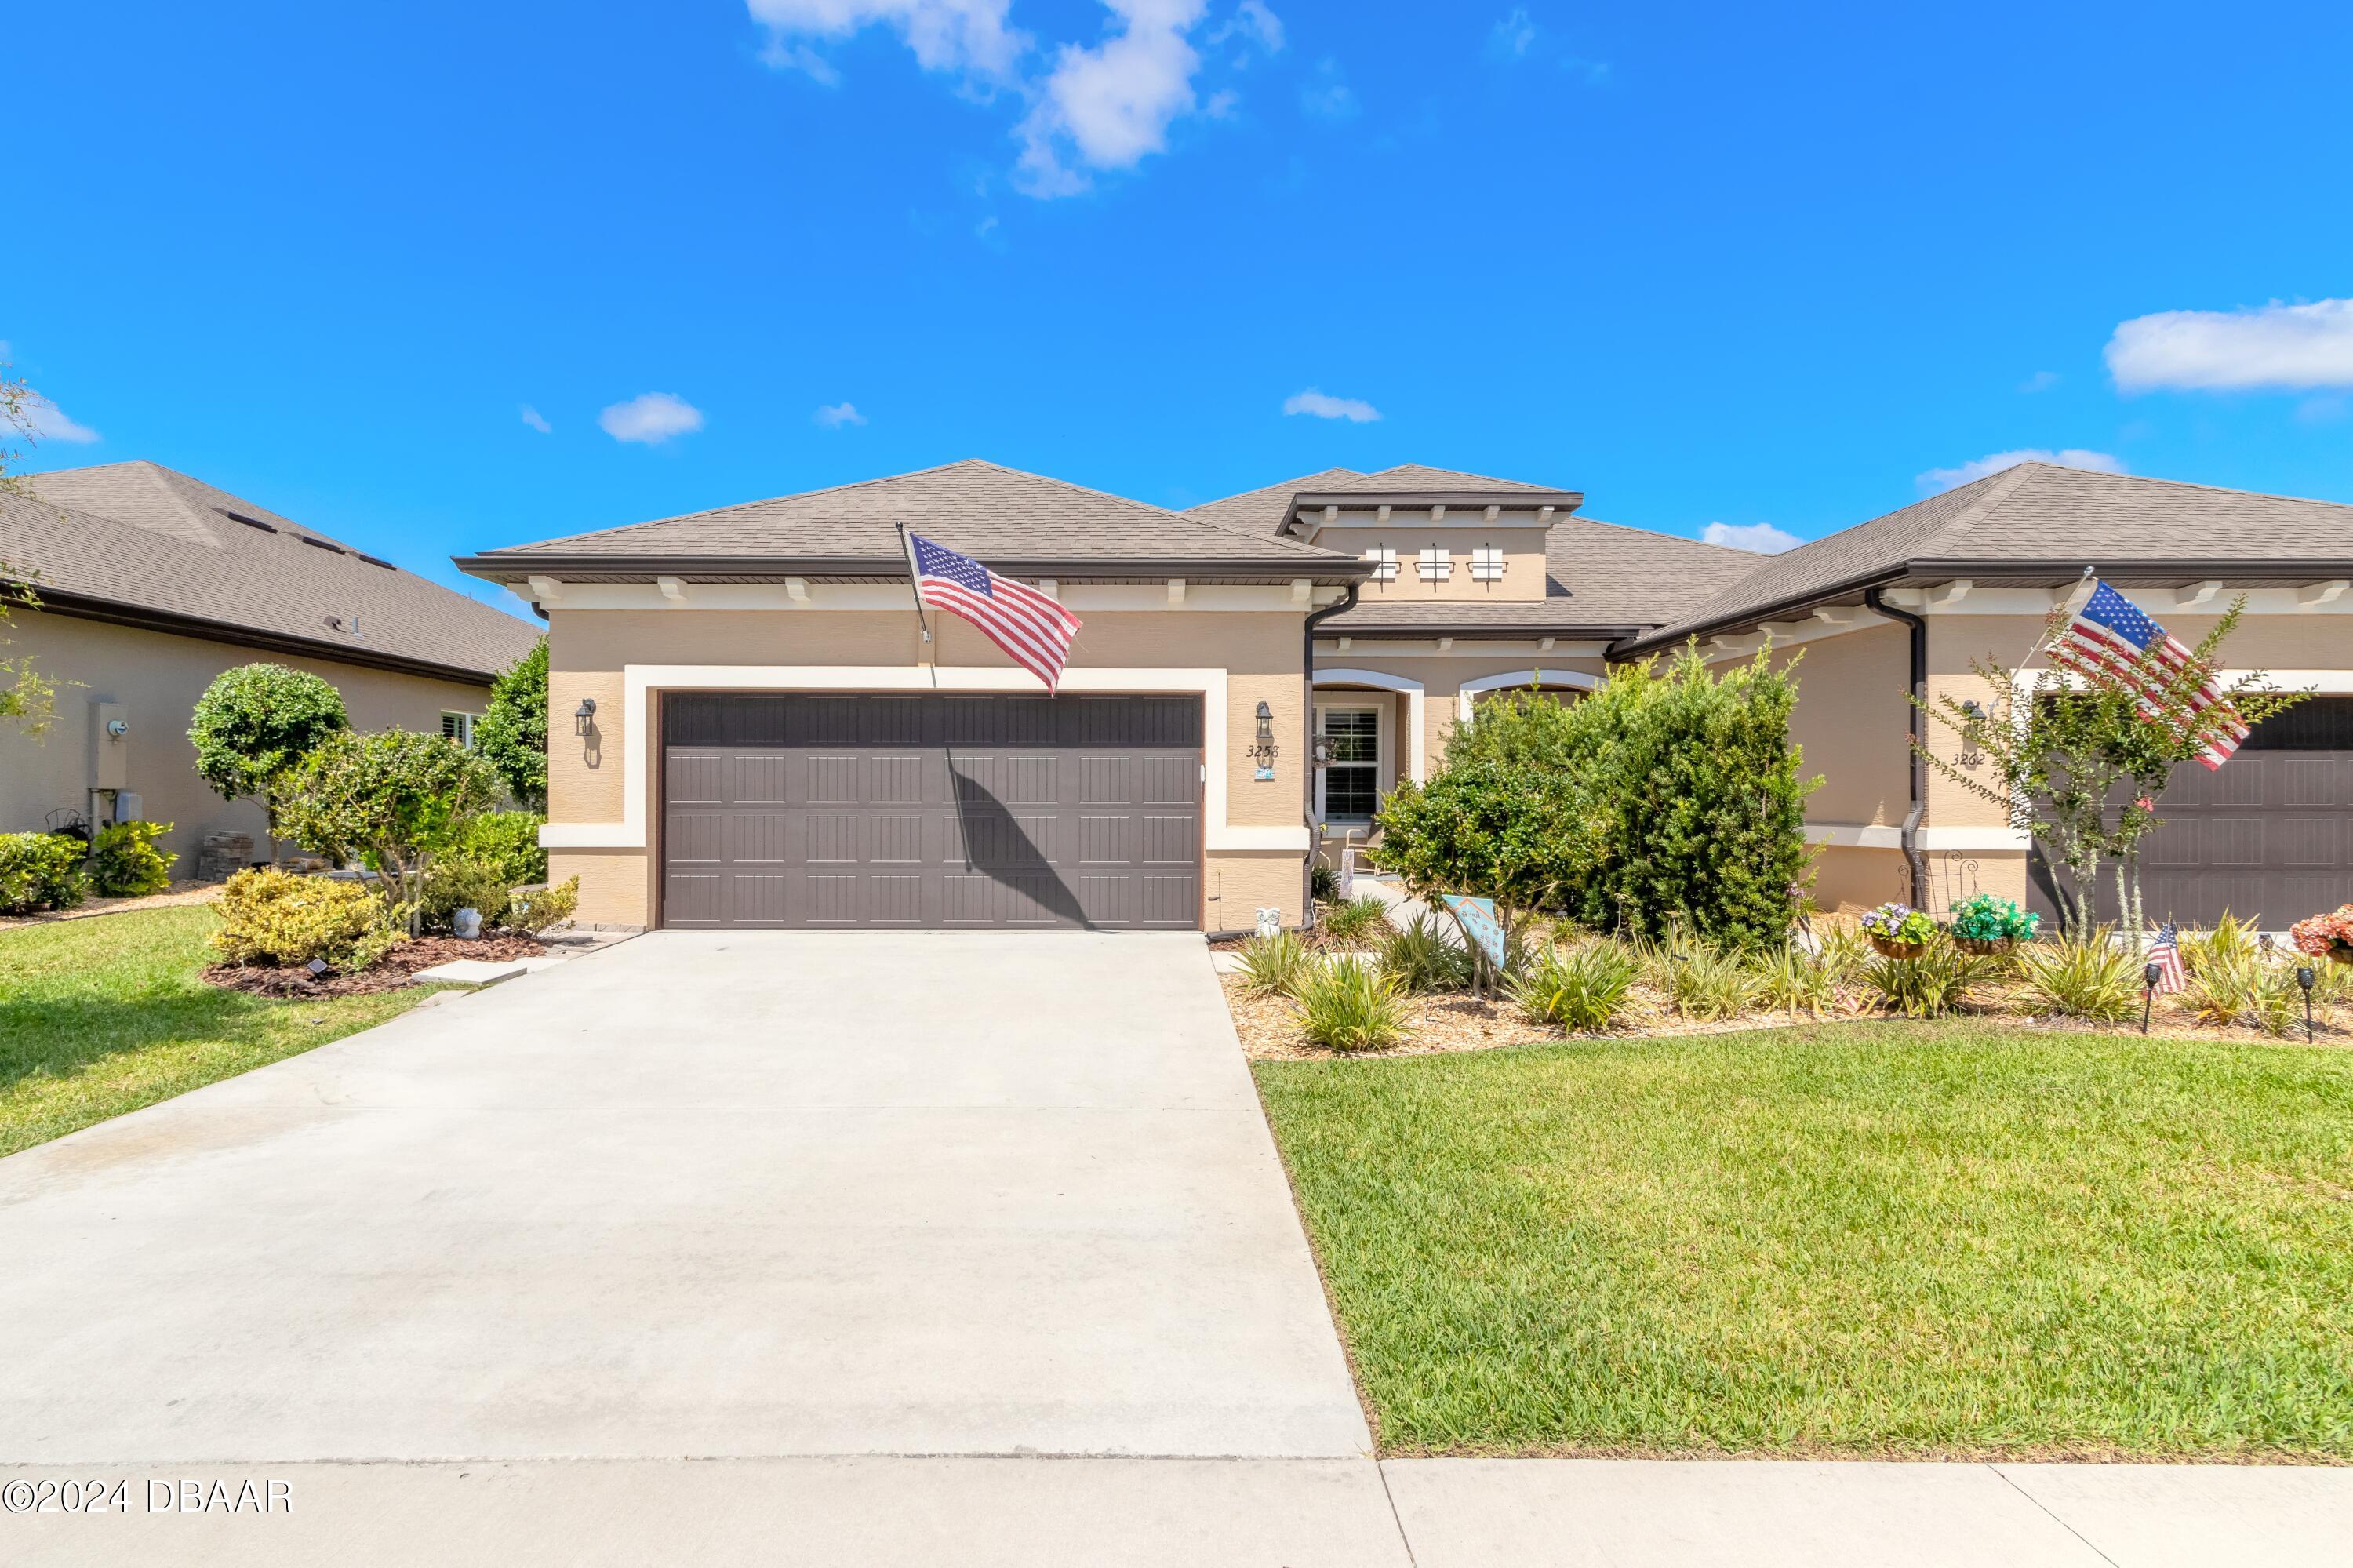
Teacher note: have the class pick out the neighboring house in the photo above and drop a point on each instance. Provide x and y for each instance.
(748, 730)
(151, 583)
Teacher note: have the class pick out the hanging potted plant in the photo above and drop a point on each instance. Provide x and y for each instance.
(2326, 935)
(1898, 931)
(1983, 924)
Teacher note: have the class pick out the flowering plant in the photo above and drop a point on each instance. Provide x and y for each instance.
(1899, 923)
(2322, 933)
(1983, 918)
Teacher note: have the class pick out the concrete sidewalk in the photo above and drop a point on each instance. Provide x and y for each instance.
(1248, 1513)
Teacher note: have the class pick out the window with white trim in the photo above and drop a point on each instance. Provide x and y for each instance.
(460, 727)
(1348, 788)
(1437, 564)
(1487, 564)
(1383, 561)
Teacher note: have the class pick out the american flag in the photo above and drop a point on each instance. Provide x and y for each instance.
(2166, 954)
(1032, 629)
(2110, 633)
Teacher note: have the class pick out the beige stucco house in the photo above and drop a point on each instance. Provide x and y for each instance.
(749, 729)
(151, 583)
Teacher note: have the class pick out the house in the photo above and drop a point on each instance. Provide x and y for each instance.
(151, 583)
(749, 729)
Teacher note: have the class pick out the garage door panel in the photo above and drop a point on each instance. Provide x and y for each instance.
(932, 811)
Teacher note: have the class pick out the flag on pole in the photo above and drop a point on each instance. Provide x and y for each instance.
(1033, 630)
(2166, 954)
(2110, 633)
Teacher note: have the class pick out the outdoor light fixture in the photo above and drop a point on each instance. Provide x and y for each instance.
(1262, 751)
(583, 716)
(2305, 978)
(2150, 975)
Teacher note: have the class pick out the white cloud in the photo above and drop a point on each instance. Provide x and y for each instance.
(1327, 97)
(967, 36)
(1253, 22)
(1938, 479)
(1112, 104)
(2275, 345)
(1759, 538)
(45, 421)
(1355, 410)
(1514, 34)
(833, 416)
(650, 418)
(536, 420)
(2041, 381)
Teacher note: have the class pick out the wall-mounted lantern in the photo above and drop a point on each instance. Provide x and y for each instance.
(583, 717)
(1264, 750)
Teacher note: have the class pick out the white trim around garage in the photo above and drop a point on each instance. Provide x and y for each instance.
(1882, 835)
(1416, 765)
(640, 681)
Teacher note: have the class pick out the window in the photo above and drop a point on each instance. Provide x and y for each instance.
(1383, 561)
(1436, 564)
(1348, 790)
(460, 727)
(1487, 564)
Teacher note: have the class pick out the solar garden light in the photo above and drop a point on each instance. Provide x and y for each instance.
(2150, 974)
(2306, 977)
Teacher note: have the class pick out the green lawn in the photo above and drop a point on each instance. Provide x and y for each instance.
(104, 1015)
(1858, 1238)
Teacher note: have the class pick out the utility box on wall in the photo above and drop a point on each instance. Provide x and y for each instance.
(110, 741)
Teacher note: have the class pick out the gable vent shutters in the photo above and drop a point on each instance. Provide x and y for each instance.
(1437, 564)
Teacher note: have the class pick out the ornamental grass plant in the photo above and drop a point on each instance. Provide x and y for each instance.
(1576, 986)
(1348, 1004)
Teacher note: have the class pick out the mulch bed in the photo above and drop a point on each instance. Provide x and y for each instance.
(388, 974)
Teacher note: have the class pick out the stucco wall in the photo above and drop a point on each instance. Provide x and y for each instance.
(588, 652)
(157, 677)
(1442, 676)
(1523, 557)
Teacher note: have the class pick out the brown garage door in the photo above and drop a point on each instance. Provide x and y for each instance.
(932, 812)
(2265, 835)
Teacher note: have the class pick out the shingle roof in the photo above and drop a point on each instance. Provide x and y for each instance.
(2038, 512)
(999, 515)
(1596, 575)
(1266, 510)
(150, 541)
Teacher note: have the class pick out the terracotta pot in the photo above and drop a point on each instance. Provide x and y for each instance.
(1984, 947)
(1893, 949)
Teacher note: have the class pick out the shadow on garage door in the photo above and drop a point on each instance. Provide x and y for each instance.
(939, 811)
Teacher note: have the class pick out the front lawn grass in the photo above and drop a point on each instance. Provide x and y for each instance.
(1872, 1238)
(104, 1015)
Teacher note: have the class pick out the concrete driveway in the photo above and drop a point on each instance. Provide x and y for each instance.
(723, 1195)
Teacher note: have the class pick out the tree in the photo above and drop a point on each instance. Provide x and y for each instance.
(390, 800)
(1515, 833)
(2081, 757)
(27, 698)
(254, 723)
(512, 735)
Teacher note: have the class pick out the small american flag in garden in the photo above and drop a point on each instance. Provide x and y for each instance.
(2111, 633)
(2166, 954)
(1033, 630)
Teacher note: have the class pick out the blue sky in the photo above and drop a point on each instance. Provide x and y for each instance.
(1711, 264)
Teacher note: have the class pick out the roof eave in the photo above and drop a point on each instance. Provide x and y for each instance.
(504, 568)
(84, 607)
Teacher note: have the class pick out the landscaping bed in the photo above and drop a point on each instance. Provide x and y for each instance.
(389, 972)
(1873, 1238)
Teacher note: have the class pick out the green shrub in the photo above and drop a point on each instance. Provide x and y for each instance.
(124, 861)
(535, 910)
(392, 798)
(1581, 987)
(456, 883)
(2230, 979)
(1273, 966)
(1324, 882)
(1843, 951)
(1795, 981)
(1349, 1005)
(2088, 976)
(506, 840)
(1931, 985)
(271, 916)
(1700, 979)
(1423, 957)
(511, 734)
(254, 723)
(41, 870)
(1358, 922)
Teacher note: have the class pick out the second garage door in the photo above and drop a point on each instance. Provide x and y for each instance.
(932, 812)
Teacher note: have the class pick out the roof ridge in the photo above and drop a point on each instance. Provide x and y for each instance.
(1466, 473)
(1290, 484)
(1999, 487)
(764, 500)
(1655, 533)
(1165, 512)
(2175, 483)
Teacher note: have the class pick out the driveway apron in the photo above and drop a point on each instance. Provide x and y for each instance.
(705, 1194)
